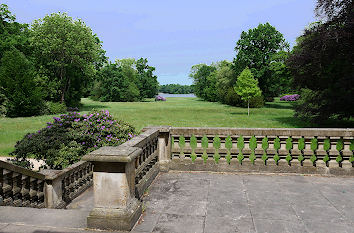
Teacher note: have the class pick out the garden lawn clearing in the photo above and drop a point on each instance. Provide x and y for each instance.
(178, 112)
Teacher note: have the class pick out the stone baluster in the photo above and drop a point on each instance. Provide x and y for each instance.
(7, 187)
(16, 189)
(25, 191)
(115, 205)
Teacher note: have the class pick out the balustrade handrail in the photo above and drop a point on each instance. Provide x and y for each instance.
(325, 132)
(18, 169)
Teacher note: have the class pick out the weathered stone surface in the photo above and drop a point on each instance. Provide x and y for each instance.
(115, 219)
(242, 202)
(224, 202)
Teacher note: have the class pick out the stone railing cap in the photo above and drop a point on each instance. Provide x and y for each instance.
(51, 174)
(123, 154)
(161, 128)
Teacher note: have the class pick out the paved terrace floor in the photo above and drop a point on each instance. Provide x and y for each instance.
(214, 202)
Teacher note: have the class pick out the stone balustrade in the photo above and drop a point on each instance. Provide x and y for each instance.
(21, 187)
(62, 186)
(321, 151)
(46, 189)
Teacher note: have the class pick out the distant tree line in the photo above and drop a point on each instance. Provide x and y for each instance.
(51, 64)
(319, 67)
(176, 89)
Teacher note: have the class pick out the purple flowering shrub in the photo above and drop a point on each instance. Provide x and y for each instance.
(160, 98)
(290, 97)
(70, 136)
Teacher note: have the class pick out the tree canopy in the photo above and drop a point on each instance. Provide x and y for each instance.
(256, 49)
(65, 51)
(322, 63)
(125, 80)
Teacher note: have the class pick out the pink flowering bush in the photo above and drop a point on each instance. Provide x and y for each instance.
(290, 97)
(70, 136)
(160, 98)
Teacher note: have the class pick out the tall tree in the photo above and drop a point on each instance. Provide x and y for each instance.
(147, 81)
(23, 97)
(255, 49)
(12, 34)
(66, 53)
(115, 86)
(204, 85)
(322, 63)
(247, 87)
(226, 80)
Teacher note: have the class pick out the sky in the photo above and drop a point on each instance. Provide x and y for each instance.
(173, 35)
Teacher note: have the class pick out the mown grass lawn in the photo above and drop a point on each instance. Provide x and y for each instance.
(191, 112)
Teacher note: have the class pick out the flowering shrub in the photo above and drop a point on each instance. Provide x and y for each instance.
(70, 136)
(290, 97)
(160, 98)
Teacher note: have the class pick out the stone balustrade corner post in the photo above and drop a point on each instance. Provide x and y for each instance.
(115, 205)
(164, 141)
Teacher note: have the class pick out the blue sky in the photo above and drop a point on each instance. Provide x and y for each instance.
(173, 35)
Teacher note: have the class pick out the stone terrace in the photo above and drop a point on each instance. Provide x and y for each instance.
(214, 202)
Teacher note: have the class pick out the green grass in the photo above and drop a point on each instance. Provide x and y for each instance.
(174, 112)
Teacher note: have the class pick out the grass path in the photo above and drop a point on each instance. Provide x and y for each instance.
(174, 112)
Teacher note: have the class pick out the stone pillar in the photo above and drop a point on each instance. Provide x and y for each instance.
(115, 206)
(53, 189)
(164, 148)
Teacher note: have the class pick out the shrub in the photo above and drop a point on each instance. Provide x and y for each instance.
(290, 97)
(257, 102)
(3, 101)
(70, 136)
(232, 98)
(54, 108)
(160, 98)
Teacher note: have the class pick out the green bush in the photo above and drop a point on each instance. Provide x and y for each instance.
(64, 141)
(257, 102)
(54, 108)
(231, 98)
(310, 106)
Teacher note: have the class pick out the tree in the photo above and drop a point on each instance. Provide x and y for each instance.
(114, 85)
(280, 80)
(254, 49)
(147, 81)
(226, 79)
(23, 97)
(12, 34)
(66, 52)
(322, 63)
(203, 85)
(247, 87)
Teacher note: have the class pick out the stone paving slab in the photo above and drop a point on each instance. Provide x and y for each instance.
(228, 202)
(214, 203)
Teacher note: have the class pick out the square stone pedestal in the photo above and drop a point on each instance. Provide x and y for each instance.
(115, 219)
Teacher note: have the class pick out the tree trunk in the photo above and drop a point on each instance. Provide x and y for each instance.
(248, 107)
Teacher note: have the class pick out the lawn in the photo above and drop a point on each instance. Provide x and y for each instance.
(173, 112)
